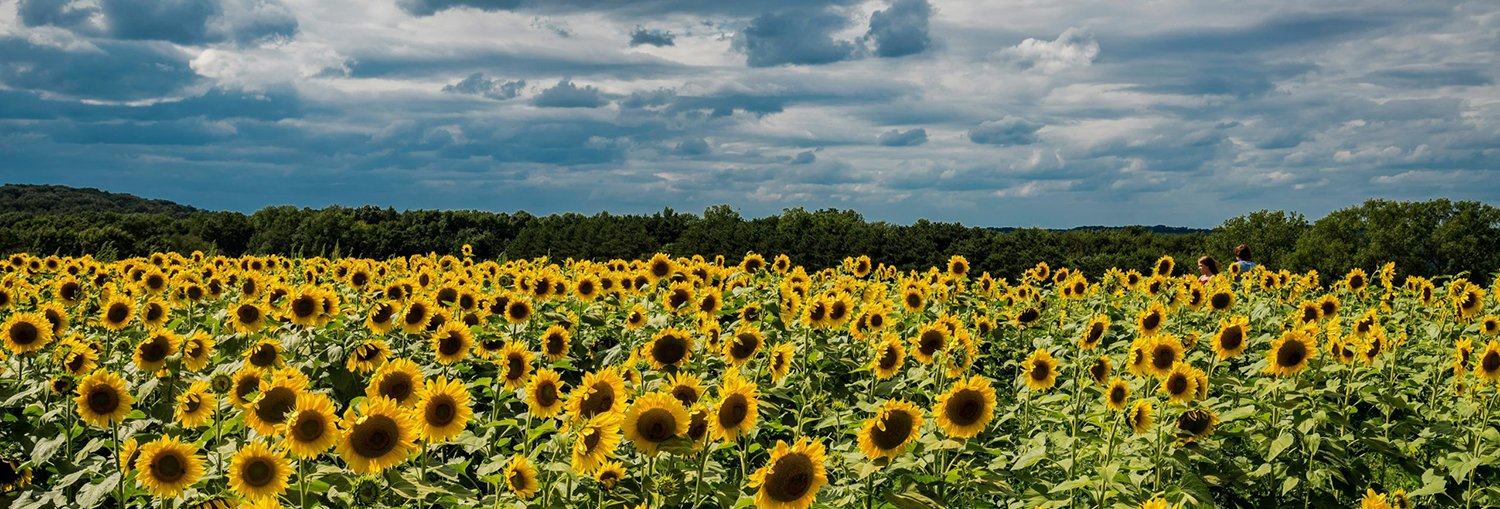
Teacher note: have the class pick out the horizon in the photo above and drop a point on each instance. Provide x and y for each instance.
(976, 112)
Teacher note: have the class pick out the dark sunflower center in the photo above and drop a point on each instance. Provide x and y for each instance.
(415, 315)
(103, 400)
(305, 306)
(733, 411)
(1194, 423)
(745, 346)
(1029, 315)
(965, 407)
(248, 314)
(154, 349)
(167, 468)
(245, 386)
(591, 438)
(791, 478)
(1491, 362)
(670, 349)
(24, 333)
(264, 355)
(1117, 394)
(697, 426)
(191, 403)
(518, 311)
(913, 300)
(1177, 384)
(367, 353)
(75, 362)
(601, 399)
(1096, 331)
(375, 437)
(275, 404)
(898, 426)
(657, 425)
(257, 473)
(1232, 338)
(397, 386)
(518, 480)
(1151, 321)
(382, 314)
(1291, 354)
(450, 344)
(930, 342)
(69, 291)
(1309, 313)
(1040, 371)
(888, 358)
(441, 412)
(660, 269)
(309, 428)
(546, 394)
(686, 394)
(1163, 357)
(1220, 300)
(118, 312)
(515, 367)
(554, 344)
(1099, 371)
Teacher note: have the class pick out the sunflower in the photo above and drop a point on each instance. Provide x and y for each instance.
(1463, 353)
(1221, 298)
(1196, 424)
(792, 476)
(198, 351)
(257, 472)
(686, 387)
(1041, 370)
(61, 385)
(1373, 500)
(305, 307)
(913, 299)
(79, 360)
(102, 398)
(599, 392)
(520, 477)
(382, 318)
(1233, 333)
(555, 342)
(311, 428)
(636, 318)
(518, 311)
(152, 352)
(1180, 384)
(1028, 317)
(1372, 346)
(596, 441)
(1487, 367)
(966, 408)
(26, 332)
(1489, 325)
(399, 380)
(380, 436)
(1150, 321)
(265, 354)
(417, 315)
(247, 318)
(1158, 503)
(516, 360)
(888, 358)
(930, 339)
(1100, 370)
(1141, 417)
(13, 476)
(155, 313)
(196, 406)
(781, 361)
(1162, 352)
(368, 356)
(1308, 312)
(167, 466)
(277, 398)
(738, 408)
(116, 313)
(1094, 333)
(653, 420)
(544, 394)
(609, 474)
(451, 342)
(1289, 353)
(1469, 302)
(896, 424)
(743, 346)
(669, 347)
(1117, 394)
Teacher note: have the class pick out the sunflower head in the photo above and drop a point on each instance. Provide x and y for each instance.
(966, 408)
(1289, 353)
(737, 409)
(1196, 424)
(653, 420)
(399, 380)
(168, 466)
(609, 474)
(520, 477)
(669, 347)
(102, 399)
(896, 424)
(26, 332)
(258, 472)
(888, 358)
(268, 412)
(1117, 394)
(596, 441)
(597, 393)
(311, 429)
(1040, 370)
(1100, 369)
(378, 437)
(451, 342)
(442, 410)
(1232, 337)
(1142, 416)
(544, 394)
(792, 476)
(1093, 334)
(1181, 383)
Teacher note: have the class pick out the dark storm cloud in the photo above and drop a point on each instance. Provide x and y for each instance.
(658, 38)
(896, 138)
(793, 38)
(117, 71)
(902, 29)
(178, 21)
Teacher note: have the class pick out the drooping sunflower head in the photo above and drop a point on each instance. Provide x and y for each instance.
(442, 410)
(888, 358)
(398, 380)
(102, 398)
(311, 429)
(1289, 353)
(13, 476)
(653, 420)
(378, 437)
(368, 356)
(1040, 370)
(257, 472)
(896, 424)
(967, 407)
(544, 394)
(167, 466)
(792, 476)
(1100, 369)
(1142, 416)
(520, 477)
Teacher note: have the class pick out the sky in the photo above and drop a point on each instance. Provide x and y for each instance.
(1042, 113)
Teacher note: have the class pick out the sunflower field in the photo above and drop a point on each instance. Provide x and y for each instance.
(448, 381)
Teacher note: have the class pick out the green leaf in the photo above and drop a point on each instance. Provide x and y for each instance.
(1432, 484)
(1030, 458)
(1280, 444)
(46, 448)
(91, 495)
(911, 500)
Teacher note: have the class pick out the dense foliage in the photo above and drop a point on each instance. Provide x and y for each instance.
(1425, 238)
(453, 381)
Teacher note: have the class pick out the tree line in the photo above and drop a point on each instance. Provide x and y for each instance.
(1428, 238)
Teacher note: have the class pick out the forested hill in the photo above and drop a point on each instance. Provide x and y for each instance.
(1426, 238)
(47, 199)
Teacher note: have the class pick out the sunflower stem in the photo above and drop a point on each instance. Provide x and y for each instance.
(1474, 452)
(302, 482)
(1109, 452)
(702, 464)
(120, 493)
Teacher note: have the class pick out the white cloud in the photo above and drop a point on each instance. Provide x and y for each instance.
(1075, 48)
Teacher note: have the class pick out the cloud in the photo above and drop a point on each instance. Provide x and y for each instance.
(189, 22)
(1075, 48)
(896, 138)
(692, 147)
(659, 38)
(1006, 131)
(902, 29)
(793, 38)
(567, 95)
(477, 84)
(806, 157)
(113, 71)
(430, 7)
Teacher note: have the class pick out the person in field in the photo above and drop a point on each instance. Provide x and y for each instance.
(1208, 267)
(1242, 258)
